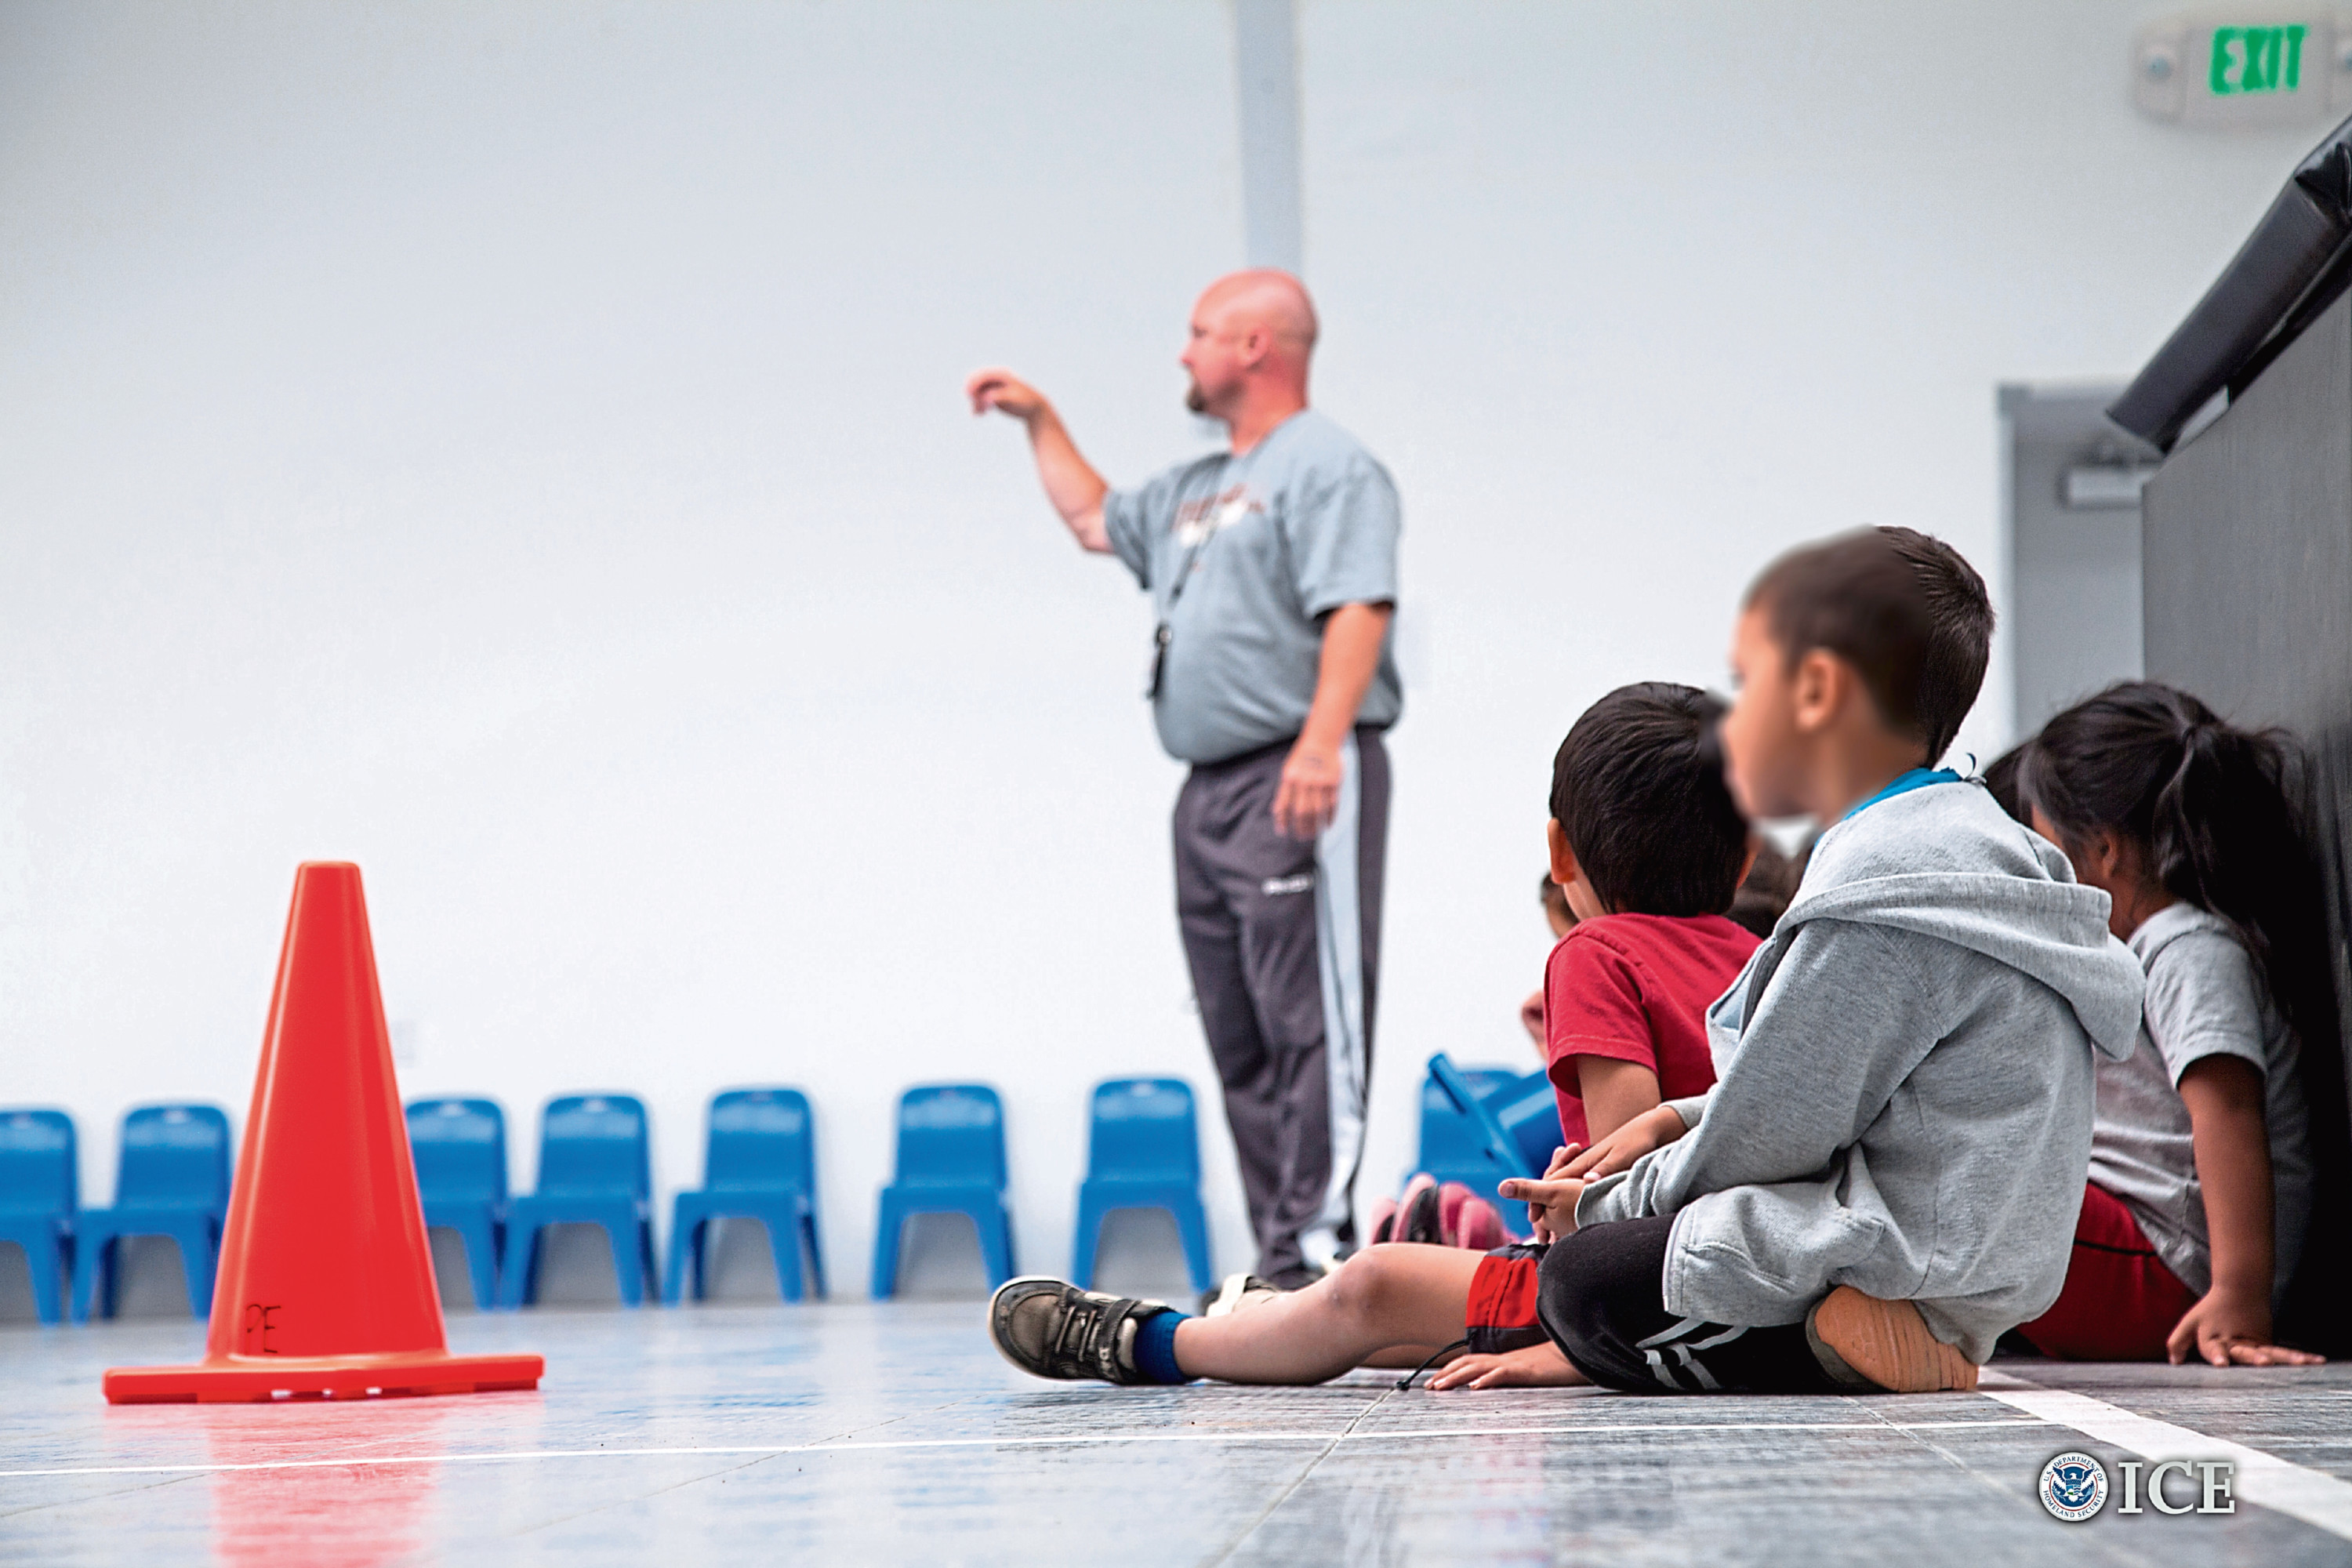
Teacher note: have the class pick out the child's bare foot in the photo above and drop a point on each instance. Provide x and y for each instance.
(1884, 1343)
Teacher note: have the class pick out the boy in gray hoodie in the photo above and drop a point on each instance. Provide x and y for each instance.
(1885, 1177)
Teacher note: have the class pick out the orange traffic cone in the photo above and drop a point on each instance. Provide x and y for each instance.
(326, 1286)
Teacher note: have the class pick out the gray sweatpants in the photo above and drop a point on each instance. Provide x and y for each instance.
(1283, 936)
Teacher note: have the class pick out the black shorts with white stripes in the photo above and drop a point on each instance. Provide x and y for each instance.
(1602, 1298)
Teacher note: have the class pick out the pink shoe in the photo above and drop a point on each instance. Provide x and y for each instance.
(1479, 1227)
(1451, 1197)
(1384, 1214)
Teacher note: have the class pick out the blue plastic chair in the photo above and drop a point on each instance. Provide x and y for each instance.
(950, 1161)
(1451, 1147)
(40, 1189)
(171, 1180)
(1143, 1151)
(761, 1164)
(1486, 1124)
(460, 1147)
(593, 1169)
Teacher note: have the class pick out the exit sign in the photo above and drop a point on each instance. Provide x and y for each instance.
(2244, 68)
(2255, 59)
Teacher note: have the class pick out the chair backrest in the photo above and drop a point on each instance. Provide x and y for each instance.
(1449, 1140)
(174, 1156)
(37, 1168)
(1142, 1129)
(595, 1145)
(950, 1132)
(761, 1139)
(461, 1150)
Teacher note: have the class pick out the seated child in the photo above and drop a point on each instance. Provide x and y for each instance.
(2201, 1172)
(1561, 920)
(1642, 857)
(1879, 1185)
(1648, 847)
(1884, 1178)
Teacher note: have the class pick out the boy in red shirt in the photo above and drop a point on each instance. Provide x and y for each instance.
(1637, 846)
(1649, 848)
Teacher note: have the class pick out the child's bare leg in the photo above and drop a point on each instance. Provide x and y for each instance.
(1399, 1294)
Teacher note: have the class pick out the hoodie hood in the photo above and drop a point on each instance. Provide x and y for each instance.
(1945, 861)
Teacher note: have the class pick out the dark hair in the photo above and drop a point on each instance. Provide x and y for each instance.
(1638, 788)
(1769, 888)
(2211, 808)
(2000, 778)
(1903, 608)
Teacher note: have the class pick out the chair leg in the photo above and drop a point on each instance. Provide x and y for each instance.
(807, 1225)
(1192, 1224)
(995, 1242)
(784, 1244)
(1082, 1257)
(684, 1238)
(41, 1268)
(886, 1249)
(481, 1264)
(522, 1259)
(200, 1257)
(82, 1291)
(631, 1278)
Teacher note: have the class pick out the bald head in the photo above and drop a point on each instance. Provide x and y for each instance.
(1266, 299)
(1252, 335)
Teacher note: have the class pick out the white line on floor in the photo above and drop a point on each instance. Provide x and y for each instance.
(2264, 1479)
(1073, 1440)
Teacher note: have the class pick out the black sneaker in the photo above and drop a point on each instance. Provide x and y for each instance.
(1049, 1328)
(1420, 1213)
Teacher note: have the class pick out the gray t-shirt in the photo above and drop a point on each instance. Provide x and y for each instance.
(1243, 556)
(2204, 999)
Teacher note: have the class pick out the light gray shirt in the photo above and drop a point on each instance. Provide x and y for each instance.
(2204, 999)
(1243, 556)
(1904, 1083)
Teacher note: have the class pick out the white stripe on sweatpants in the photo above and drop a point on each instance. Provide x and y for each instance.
(1340, 958)
(1685, 1354)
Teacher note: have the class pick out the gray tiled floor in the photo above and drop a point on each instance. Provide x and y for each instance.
(865, 1434)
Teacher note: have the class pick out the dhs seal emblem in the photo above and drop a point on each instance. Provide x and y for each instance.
(2074, 1486)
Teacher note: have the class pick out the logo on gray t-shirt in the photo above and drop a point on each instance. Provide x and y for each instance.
(1243, 556)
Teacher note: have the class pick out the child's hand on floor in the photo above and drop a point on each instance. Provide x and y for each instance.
(1551, 1205)
(1654, 1128)
(1537, 1366)
(2228, 1332)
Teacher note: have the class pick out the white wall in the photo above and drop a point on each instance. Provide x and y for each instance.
(516, 447)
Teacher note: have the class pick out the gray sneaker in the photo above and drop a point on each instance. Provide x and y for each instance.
(1050, 1329)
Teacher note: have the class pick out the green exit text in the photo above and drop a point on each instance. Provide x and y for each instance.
(2256, 59)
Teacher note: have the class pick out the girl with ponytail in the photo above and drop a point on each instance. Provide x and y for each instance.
(2222, 1137)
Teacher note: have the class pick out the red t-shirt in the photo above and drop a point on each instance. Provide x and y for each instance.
(1637, 988)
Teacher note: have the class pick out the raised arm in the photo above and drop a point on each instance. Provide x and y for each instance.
(1071, 483)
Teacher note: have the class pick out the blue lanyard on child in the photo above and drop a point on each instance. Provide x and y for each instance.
(1917, 778)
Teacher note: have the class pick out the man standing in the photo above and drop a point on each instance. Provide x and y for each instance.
(1272, 570)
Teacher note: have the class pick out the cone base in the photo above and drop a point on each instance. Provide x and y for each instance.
(236, 1380)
